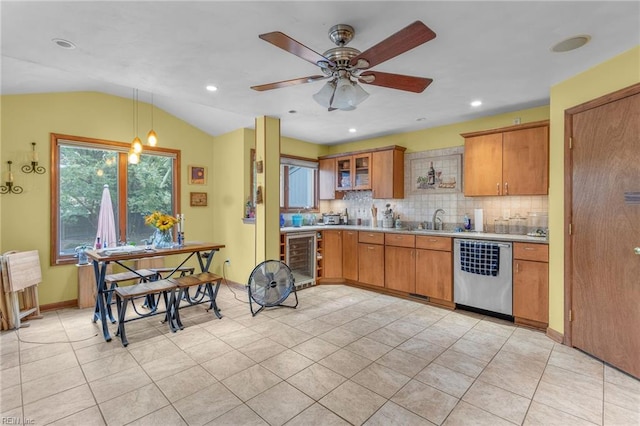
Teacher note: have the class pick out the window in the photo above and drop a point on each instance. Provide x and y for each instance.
(298, 184)
(82, 167)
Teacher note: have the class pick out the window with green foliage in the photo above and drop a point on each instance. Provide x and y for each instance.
(82, 167)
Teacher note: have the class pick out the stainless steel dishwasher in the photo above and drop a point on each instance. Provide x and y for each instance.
(482, 276)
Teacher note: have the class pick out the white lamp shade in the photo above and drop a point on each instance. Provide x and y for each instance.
(323, 97)
(345, 97)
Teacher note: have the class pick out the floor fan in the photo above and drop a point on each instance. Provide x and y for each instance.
(270, 283)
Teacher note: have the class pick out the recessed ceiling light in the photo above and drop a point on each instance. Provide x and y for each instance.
(65, 44)
(211, 88)
(476, 103)
(352, 130)
(292, 111)
(571, 43)
(421, 119)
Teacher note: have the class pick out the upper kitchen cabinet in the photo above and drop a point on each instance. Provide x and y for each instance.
(509, 161)
(387, 174)
(380, 170)
(327, 180)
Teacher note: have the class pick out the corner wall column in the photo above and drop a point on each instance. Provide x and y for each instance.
(268, 212)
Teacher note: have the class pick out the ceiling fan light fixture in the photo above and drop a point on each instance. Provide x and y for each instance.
(345, 96)
(323, 97)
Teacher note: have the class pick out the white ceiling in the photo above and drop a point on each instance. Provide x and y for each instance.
(498, 52)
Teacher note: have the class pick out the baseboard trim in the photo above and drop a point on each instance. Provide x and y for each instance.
(59, 305)
(554, 335)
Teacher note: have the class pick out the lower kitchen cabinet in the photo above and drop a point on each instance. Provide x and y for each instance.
(350, 255)
(371, 258)
(434, 267)
(531, 284)
(400, 262)
(332, 255)
(400, 268)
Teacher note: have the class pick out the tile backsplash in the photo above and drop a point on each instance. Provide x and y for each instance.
(419, 207)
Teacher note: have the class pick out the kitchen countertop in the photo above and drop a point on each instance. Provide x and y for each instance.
(469, 235)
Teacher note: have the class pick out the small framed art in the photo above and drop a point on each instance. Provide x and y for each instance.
(198, 199)
(197, 175)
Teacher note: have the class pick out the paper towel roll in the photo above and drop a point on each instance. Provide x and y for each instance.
(479, 220)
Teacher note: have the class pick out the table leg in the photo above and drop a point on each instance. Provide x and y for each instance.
(100, 309)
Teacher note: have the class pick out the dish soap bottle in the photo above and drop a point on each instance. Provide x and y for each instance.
(398, 222)
(467, 222)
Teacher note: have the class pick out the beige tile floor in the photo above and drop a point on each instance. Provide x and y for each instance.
(345, 356)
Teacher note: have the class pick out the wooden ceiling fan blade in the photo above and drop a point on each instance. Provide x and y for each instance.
(395, 81)
(404, 40)
(285, 42)
(287, 83)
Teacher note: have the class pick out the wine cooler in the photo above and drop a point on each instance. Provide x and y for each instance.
(301, 257)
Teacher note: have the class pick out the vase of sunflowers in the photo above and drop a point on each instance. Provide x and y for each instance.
(163, 223)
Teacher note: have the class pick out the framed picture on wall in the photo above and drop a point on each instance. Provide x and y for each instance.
(197, 175)
(198, 199)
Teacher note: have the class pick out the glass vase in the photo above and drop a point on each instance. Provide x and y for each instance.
(163, 239)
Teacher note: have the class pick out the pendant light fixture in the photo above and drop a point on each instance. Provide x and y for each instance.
(136, 145)
(152, 137)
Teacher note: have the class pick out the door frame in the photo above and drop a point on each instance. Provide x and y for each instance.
(568, 193)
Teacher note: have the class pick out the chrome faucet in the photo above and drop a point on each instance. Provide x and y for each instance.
(436, 219)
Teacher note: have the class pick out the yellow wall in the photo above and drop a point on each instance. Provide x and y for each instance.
(24, 218)
(444, 136)
(617, 73)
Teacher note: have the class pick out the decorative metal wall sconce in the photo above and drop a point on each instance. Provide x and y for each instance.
(10, 188)
(33, 168)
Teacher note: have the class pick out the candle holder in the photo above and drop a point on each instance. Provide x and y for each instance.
(9, 187)
(33, 167)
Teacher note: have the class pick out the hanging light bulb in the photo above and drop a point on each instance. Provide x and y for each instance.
(134, 157)
(136, 145)
(152, 137)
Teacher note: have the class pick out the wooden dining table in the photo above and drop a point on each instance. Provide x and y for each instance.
(120, 255)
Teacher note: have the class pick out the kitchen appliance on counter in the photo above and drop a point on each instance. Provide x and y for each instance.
(482, 275)
(331, 218)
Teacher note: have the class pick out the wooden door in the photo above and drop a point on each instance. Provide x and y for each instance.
(350, 255)
(332, 255)
(434, 274)
(371, 264)
(400, 268)
(327, 184)
(525, 161)
(604, 213)
(483, 165)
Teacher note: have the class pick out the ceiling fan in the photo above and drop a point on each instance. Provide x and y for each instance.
(346, 66)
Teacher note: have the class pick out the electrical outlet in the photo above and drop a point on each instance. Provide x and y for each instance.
(516, 120)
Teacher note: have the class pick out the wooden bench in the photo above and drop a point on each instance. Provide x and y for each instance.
(124, 295)
(202, 295)
(111, 281)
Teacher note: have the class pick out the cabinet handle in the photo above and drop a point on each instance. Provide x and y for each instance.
(506, 188)
(498, 188)
(529, 248)
(432, 240)
(370, 248)
(517, 267)
(371, 235)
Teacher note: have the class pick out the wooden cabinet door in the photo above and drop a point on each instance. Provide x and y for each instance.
(350, 255)
(531, 290)
(327, 177)
(362, 171)
(483, 165)
(434, 274)
(332, 255)
(371, 264)
(400, 268)
(387, 174)
(344, 173)
(525, 161)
